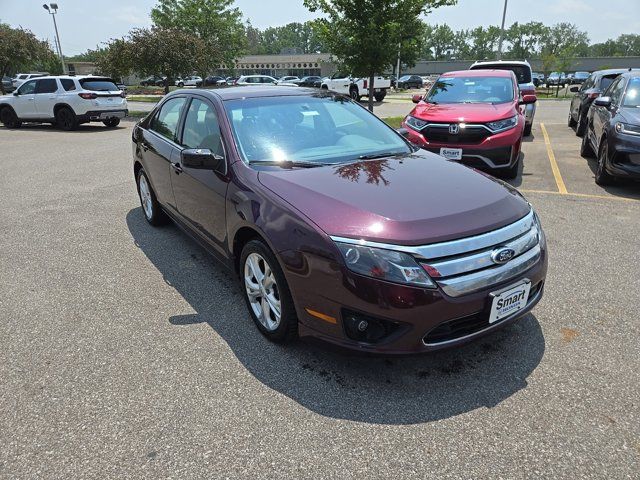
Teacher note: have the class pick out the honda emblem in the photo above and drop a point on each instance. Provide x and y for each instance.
(454, 129)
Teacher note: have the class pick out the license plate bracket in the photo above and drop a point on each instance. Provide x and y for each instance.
(451, 153)
(508, 301)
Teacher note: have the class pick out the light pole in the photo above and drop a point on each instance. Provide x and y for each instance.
(52, 8)
(504, 16)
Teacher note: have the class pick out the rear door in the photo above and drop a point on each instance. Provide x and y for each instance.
(160, 145)
(25, 101)
(200, 194)
(46, 96)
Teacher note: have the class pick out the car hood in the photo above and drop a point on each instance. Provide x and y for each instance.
(630, 115)
(463, 112)
(418, 199)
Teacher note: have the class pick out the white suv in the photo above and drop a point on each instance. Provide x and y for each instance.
(256, 79)
(64, 101)
(192, 81)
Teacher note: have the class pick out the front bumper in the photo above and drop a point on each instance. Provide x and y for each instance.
(624, 160)
(424, 319)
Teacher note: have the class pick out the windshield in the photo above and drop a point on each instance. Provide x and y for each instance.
(523, 72)
(471, 90)
(581, 75)
(632, 97)
(319, 129)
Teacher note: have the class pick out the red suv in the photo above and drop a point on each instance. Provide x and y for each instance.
(473, 116)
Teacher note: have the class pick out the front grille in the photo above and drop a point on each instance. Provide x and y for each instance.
(469, 135)
(465, 326)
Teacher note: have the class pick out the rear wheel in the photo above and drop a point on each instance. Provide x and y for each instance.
(181, 84)
(150, 206)
(66, 119)
(380, 96)
(585, 147)
(267, 293)
(602, 176)
(9, 118)
(112, 122)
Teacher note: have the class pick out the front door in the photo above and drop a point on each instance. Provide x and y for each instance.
(25, 100)
(200, 194)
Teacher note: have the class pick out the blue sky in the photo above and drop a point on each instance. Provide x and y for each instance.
(84, 24)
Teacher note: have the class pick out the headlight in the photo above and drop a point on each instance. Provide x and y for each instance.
(415, 123)
(502, 125)
(542, 239)
(386, 265)
(628, 128)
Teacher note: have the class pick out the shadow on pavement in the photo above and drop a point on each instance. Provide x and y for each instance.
(406, 390)
(621, 188)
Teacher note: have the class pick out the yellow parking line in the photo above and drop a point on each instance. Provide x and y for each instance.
(562, 189)
(583, 195)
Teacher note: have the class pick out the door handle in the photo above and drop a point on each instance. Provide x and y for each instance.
(144, 146)
(177, 168)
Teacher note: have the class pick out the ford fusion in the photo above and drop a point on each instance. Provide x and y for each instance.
(472, 116)
(337, 227)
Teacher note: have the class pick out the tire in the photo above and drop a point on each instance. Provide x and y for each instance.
(603, 177)
(66, 119)
(151, 209)
(512, 172)
(570, 121)
(269, 292)
(527, 130)
(586, 151)
(581, 125)
(112, 122)
(355, 95)
(9, 118)
(181, 84)
(379, 96)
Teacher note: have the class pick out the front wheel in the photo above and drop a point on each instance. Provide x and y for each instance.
(585, 147)
(527, 130)
(570, 121)
(581, 126)
(512, 172)
(266, 293)
(355, 95)
(9, 118)
(181, 84)
(602, 176)
(380, 96)
(111, 122)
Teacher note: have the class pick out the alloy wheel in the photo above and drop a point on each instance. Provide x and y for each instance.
(145, 197)
(262, 291)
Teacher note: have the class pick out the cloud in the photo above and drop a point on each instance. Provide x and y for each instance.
(570, 6)
(134, 16)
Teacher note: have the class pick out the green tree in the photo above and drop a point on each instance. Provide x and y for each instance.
(484, 42)
(364, 34)
(20, 49)
(215, 22)
(525, 39)
(115, 60)
(438, 43)
(564, 37)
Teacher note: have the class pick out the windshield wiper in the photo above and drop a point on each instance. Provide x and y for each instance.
(289, 163)
(374, 156)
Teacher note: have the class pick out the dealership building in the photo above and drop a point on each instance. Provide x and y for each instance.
(299, 65)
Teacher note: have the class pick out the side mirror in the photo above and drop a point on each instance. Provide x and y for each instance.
(416, 98)
(403, 131)
(16, 94)
(201, 159)
(602, 102)
(574, 89)
(528, 99)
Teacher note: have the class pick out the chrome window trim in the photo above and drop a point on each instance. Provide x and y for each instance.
(454, 247)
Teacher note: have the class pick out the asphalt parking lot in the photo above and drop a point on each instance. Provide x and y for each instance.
(127, 352)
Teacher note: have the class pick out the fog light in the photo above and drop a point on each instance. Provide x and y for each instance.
(363, 328)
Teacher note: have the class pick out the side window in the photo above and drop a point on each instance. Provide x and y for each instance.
(588, 83)
(201, 127)
(616, 90)
(47, 85)
(68, 84)
(167, 119)
(27, 88)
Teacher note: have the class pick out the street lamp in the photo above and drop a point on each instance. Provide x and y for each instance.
(52, 8)
(504, 16)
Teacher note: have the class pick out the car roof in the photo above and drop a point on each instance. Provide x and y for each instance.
(502, 62)
(615, 71)
(479, 73)
(235, 93)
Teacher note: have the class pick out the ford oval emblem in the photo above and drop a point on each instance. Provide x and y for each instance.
(502, 255)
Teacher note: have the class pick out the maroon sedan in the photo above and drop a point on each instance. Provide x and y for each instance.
(473, 116)
(337, 227)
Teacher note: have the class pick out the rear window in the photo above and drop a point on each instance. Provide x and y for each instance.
(68, 84)
(98, 84)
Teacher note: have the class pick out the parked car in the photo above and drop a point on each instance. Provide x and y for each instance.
(537, 79)
(122, 87)
(152, 81)
(613, 130)
(256, 79)
(556, 78)
(190, 81)
(472, 116)
(579, 78)
(357, 88)
(7, 84)
(311, 81)
(215, 81)
(336, 226)
(522, 71)
(410, 81)
(288, 79)
(584, 96)
(231, 80)
(64, 101)
(20, 78)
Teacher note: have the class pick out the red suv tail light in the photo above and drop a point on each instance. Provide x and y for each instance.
(88, 96)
